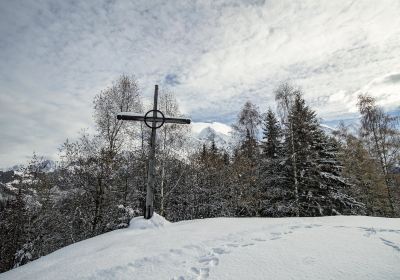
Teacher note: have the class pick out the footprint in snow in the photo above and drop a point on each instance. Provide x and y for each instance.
(372, 230)
(209, 260)
(190, 247)
(247, 244)
(201, 273)
(276, 235)
(275, 238)
(312, 226)
(390, 230)
(368, 231)
(259, 239)
(220, 251)
(176, 252)
(309, 260)
(390, 244)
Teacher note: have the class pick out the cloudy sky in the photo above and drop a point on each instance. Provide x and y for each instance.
(56, 55)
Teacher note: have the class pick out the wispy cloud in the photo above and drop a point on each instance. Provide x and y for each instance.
(56, 55)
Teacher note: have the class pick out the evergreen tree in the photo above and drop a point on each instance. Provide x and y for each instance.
(321, 188)
(273, 177)
(271, 143)
(12, 231)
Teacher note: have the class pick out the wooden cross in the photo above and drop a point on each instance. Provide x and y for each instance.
(153, 119)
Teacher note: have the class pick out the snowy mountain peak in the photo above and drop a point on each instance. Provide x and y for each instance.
(218, 127)
(208, 132)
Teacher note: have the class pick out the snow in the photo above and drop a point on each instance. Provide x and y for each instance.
(207, 132)
(221, 128)
(156, 221)
(337, 247)
(131, 114)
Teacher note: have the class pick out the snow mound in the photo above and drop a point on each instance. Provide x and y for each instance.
(322, 248)
(156, 221)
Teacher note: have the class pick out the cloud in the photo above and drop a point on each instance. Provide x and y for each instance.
(171, 80)
(385, 89)
(215, 55)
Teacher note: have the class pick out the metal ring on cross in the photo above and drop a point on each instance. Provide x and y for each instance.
(146, 119)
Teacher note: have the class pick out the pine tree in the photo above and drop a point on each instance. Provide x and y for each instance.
(271, 145)
(12, 231)
(321, 188)
(272, 173)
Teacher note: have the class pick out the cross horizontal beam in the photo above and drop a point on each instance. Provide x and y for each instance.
(128, 116)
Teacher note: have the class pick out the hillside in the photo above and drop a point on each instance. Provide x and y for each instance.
(340, 247)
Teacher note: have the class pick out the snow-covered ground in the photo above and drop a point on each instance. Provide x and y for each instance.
(230, 248)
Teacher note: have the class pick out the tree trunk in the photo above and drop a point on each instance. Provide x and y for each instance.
(162, 190)
(382, 159)
(296, 183)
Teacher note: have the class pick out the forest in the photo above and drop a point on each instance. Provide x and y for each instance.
(281, 163)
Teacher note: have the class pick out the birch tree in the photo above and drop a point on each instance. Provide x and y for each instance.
(284, 96)
(379, 133)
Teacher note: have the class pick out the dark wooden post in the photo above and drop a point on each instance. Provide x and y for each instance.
(151, 168)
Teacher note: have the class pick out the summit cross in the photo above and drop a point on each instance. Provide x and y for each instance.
(153, 119)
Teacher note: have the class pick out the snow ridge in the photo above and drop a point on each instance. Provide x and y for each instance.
(339, 247)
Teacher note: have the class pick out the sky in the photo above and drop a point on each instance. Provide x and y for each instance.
(55, 56)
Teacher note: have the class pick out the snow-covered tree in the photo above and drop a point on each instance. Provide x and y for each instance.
(321, 189)
(273, 179)
(381, 136)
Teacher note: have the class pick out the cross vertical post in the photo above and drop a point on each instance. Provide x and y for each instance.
(149, 208)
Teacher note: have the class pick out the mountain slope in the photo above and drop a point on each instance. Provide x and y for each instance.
(207, 132)
(231, 248)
